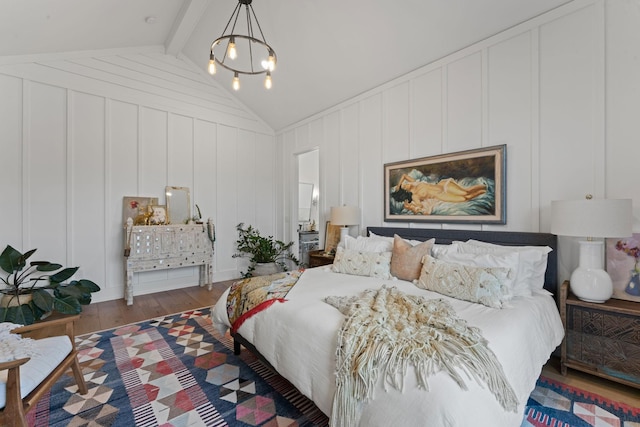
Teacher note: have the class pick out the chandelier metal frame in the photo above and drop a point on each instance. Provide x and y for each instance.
(228, 41)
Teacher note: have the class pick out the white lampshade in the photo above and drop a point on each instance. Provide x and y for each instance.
(591, 218)
(345, 215)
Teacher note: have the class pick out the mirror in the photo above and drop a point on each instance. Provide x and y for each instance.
(305, 199)
(178, 205)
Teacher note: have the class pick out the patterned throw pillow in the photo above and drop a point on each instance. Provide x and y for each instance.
(484, 285)
(406, 259)
(361, 263)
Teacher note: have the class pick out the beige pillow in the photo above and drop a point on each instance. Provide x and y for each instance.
(362, 263)
(406, 259)
(484, 285)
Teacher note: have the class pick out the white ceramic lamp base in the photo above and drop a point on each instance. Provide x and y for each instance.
(344, 232)
(589, 282)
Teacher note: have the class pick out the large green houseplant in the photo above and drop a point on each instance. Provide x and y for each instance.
(35, 289)
(261, 250)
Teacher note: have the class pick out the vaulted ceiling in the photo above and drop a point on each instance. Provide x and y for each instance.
(328, 50)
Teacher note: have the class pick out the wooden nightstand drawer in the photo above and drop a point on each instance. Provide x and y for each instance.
(602, 339)
(319, 258)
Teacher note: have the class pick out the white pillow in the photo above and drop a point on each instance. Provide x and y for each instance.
(369, 244)
(484, 285)
(362, 263)
(507, 260)
(439, 250)
(533, 259)
(390, 239)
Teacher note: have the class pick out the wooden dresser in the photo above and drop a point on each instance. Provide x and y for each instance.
(601, 339)
(159, 247)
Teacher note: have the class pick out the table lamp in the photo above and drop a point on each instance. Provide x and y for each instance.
(592, 219)
(345, 216)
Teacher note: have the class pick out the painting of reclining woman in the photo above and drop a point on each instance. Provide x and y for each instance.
(467, 186)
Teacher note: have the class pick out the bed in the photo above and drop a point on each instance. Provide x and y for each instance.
(299, 337)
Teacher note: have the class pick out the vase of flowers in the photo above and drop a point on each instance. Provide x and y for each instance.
(633, 287)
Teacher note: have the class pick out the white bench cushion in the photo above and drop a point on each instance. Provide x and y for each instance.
(51, 352)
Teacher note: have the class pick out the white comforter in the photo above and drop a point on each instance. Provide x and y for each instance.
(299, 339)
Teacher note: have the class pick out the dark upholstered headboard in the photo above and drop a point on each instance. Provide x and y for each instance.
(510, 238)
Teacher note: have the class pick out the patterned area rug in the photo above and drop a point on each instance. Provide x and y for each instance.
(179, 371)
(555, 404)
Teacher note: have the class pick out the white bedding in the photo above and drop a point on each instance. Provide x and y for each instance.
(299, 339)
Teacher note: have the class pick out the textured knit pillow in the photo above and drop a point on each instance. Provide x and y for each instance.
(406, 259)
(361, 263)
(483, 285)
(509, 260)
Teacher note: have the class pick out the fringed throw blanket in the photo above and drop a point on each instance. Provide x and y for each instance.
(386, 330)
(254, 294)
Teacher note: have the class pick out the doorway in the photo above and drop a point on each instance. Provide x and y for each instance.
(308, 202)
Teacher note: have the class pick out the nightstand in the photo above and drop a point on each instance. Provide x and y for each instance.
(601, 339)
(318, 258)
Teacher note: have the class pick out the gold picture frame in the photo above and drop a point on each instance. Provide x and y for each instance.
(461, 187)
(331, 237)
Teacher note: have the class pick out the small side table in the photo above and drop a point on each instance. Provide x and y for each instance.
(601, 339)
(319, 258)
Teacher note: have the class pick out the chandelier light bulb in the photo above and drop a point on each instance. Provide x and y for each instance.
(271, 62)
(233, 54)
(267, 81)
(236, 82)
(212, 64)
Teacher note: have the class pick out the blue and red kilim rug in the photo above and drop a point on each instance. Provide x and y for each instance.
(178, 371)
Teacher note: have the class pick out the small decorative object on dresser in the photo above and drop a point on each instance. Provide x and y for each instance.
(319, 258)
(601, 338)
(137, 208)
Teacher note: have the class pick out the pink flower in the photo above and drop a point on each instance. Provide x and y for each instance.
(627, 248)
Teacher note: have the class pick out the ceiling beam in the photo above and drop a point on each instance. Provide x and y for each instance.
(183, 26)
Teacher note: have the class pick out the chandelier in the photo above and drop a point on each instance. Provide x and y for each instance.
(243, 53)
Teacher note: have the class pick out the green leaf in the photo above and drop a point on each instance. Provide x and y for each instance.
(88, 285)
(11, 260)
(46, 266)
(63, 275)
(67, 305)
(22, 315)
(68, 291)
(43, 300)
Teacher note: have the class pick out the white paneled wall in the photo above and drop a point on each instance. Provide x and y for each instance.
(539, 88)
(80, 131)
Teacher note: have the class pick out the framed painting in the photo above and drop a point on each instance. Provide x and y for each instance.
(133, 206)
(461, 187)
(623, 256)
(331, 237)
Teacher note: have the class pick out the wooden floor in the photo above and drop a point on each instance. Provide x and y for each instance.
(109, 314)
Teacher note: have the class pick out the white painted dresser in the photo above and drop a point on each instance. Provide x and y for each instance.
(159, 247)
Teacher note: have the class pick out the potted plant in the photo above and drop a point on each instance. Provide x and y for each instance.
(261, 250)
(33, 290)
